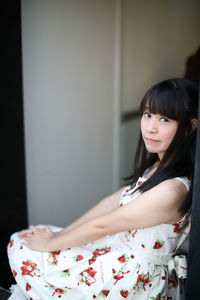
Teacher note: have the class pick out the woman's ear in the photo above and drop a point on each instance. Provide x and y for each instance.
(194, 123)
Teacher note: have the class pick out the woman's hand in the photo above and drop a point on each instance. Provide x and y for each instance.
(38, 239)
(22, 234)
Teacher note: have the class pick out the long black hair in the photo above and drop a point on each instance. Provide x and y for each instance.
(176, 99)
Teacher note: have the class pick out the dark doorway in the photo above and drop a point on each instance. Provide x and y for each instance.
(13, 188)
(194, 249)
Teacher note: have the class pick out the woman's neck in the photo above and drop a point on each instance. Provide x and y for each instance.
(152, 169)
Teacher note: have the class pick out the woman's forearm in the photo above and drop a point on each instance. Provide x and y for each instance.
(101, 208)
(81, 235)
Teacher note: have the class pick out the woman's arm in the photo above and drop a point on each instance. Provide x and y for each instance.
(103, 207)
(158, 205)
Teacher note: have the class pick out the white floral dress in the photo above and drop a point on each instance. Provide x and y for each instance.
(134, 265)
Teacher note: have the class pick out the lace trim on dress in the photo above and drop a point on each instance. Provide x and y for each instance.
(185, 180)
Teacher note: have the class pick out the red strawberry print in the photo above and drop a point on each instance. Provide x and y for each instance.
(56, 291)
(87, 276)
(52, 259)
(121, 259)
(139, 182)
(98, 252)
(134, 233)
(91, 261)
(124, 258)
(78, 257)
(65, 273)
(158, 244)
(124, 293)
(119, 276)
(14, 273)
(158, 297)
(143, 280)
(30, 268)
(178, 227)
(59, 292)
(91, 272)
(11, 243)
(114, 271)
(142, 245)
(28, 287)
(105, 292)
(140, 278)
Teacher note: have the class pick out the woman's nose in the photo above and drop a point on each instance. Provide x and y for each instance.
(152, 127)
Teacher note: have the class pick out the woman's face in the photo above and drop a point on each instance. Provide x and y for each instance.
(157, 132)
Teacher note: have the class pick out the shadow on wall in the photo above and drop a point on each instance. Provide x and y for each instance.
(192, 68)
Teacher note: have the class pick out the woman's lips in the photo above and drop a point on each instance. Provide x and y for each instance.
(150, 140)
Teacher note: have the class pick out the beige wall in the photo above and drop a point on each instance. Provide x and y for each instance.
(157, 38)
(68, 78)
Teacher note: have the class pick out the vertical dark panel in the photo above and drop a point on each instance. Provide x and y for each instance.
(13, 188)
(192, 284)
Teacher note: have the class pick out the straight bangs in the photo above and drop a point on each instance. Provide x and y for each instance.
(164, 101)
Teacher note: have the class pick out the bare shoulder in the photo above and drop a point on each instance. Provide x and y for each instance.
(173, 186)
(172, 191)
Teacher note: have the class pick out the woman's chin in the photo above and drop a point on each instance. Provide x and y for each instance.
(151, 149)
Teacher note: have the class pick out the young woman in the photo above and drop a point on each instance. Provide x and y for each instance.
(125, 246)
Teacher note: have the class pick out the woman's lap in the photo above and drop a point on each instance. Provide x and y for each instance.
(27, 267)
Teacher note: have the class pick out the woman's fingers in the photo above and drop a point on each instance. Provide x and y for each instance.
(40, 229)
(28, 236)
(48, 229)
(23, 233)
(31, 230)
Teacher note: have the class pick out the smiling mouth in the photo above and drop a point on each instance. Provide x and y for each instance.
(150, 140)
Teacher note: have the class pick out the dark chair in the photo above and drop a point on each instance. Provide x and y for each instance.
(4, 294)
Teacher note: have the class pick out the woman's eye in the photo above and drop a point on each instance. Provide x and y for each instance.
(164, 120)
(147, 115)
